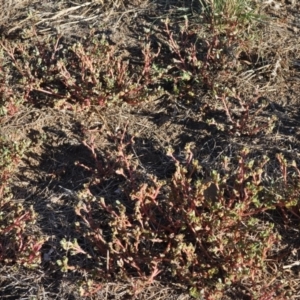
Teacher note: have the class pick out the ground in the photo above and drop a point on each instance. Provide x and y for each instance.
(82, 145)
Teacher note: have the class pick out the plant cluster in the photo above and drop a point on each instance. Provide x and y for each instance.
(244, 117)
(17, 245)
(179, 229)
(87, 73)
(92, 72)
(201, 49)
(206, 234)
(204, 54)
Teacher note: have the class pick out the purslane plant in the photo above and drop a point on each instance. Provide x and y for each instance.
(176, 230)
(17, 244)
(88, 73)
